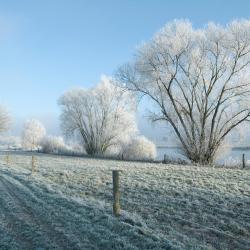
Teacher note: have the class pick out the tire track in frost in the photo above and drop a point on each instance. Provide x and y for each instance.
(81, 226)
(10, 222)
(21, 216)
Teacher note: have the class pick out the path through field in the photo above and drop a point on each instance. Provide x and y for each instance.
(67, 204)
(24, 213)
(32, 217)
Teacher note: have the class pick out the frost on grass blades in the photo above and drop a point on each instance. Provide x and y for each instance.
(68, 202)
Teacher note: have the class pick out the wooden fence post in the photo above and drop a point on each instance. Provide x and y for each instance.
(243, 161)
(116, 193)
(7, 159)
(33, 164)
(165, 158)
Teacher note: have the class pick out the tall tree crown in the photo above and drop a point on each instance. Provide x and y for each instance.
(198, 78)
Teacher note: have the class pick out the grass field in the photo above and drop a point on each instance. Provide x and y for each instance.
(67, 204)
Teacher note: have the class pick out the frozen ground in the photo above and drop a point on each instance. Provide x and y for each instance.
(67, 204)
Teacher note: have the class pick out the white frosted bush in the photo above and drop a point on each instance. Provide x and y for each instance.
(77, 148)
(139, 148)
(54, 144)
(232, 162)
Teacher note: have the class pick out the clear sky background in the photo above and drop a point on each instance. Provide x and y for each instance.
(49, 46)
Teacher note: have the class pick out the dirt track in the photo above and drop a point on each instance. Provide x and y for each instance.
(24, 214)
(32, 217)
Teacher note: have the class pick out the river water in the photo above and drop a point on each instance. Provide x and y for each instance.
(229, 157)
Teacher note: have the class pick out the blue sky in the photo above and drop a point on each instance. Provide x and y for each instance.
(49, 46)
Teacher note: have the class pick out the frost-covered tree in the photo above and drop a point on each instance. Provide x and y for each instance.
(199, 81)
(32, 134)
(139, 148)
(4, 119)
(102, 117)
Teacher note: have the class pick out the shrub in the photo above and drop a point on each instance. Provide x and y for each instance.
(54, 144)
(139, 148)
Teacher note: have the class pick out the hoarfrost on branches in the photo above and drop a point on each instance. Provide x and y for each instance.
(102, 117)
(198, 79)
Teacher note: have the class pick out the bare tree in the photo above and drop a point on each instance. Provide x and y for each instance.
(4, 119)
(102, 117)
(199, 81)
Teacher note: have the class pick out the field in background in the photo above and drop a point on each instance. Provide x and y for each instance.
(67, 204)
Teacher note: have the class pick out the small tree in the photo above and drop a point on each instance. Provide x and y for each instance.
(4, 119)
(101, 117)
(33, 132)
(198, 80)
